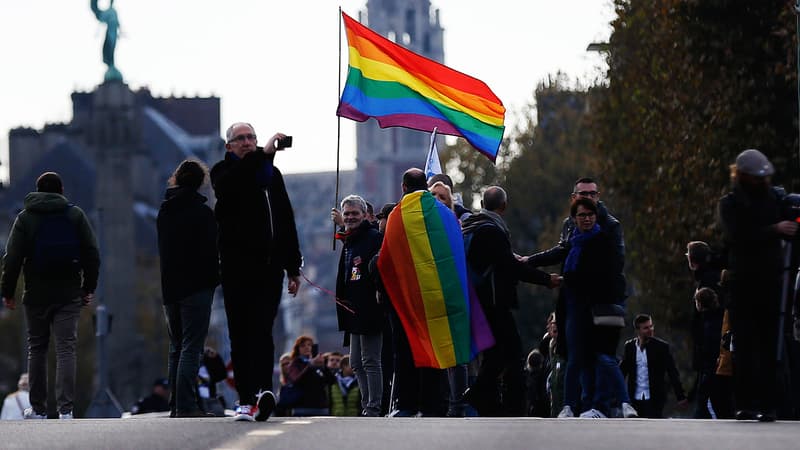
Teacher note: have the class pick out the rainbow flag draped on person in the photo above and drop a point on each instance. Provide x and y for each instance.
(400, 88)
(423, 268)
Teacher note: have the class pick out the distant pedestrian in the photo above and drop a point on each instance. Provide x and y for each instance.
(187, 244)
(52, 242)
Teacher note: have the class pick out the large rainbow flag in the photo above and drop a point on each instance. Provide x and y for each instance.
(400, 88)
(423, 267)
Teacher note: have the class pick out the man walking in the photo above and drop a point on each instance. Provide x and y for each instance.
(52, 243)
(645, 362)
(489, 255)
(257, 244)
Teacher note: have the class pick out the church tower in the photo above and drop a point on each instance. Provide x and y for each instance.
(383, 154)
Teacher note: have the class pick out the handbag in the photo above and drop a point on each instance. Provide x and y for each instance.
(608, 315)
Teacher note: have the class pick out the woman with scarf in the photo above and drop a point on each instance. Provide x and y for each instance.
(593, 279)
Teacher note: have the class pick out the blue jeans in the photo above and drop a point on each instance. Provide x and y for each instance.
(365, 358)
(579, 372)
(187, 323)
(609, 383)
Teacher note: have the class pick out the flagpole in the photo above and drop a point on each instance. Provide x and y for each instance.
(338, 124)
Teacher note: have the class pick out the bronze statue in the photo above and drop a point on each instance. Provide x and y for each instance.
(109, 17)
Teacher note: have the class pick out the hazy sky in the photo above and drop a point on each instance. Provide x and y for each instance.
(272, 63)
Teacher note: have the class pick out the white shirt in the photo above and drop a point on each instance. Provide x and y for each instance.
(14, 405)
(642, 376)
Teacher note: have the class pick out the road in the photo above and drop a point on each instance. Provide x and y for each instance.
(396, 433)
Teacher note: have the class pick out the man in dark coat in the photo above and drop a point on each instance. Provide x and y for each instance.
(359, 312)
(647, 359)
(257, 244)
(752, 229)
(489, 256)
(52, 242)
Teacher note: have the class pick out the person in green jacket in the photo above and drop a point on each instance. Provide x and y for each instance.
(345, 394)
(52, 243)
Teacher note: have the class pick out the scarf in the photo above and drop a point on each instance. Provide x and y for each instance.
(577, 241)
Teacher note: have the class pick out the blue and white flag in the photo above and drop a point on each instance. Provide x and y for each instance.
(432, 165)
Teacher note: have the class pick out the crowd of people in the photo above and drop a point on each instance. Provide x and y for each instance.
(248, 244)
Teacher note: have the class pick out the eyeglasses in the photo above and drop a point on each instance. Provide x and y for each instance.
(584, 215)
(244, 137)
(587, 193)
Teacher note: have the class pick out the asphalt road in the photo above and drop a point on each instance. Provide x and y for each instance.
(396, 433)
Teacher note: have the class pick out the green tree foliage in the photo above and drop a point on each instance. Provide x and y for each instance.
(690, 85)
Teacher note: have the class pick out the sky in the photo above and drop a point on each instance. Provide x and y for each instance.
(274, 63)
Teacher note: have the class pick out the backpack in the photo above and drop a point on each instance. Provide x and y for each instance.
(56, 246)
(477, 279)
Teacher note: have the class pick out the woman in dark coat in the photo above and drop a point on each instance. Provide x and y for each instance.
(310, 378)
(187, 246)
(593, 279)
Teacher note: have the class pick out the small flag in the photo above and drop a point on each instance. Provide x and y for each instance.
(432, 164)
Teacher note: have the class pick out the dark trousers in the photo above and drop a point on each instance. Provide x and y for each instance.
(648, 409)
(754, 321)
(251, 309)
(187, 324)
(62, 320)
(504, 358)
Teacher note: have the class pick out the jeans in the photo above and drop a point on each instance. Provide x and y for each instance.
(187, 323)
(62, 320)
(365, 358)
(251, 308)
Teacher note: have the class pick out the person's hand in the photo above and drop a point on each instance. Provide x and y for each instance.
(269, 147)
(318, 360)
(294, 285)
(683, 404)
(87, 298)
(522, 259)
(336, 217)
(555, 280)
(10, 302)
(787, 227)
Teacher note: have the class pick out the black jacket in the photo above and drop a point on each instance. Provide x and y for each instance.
(754, 248)
(490, 249)
(257, 230)
(598, 276)
(187, 245)
(355, 286)
(659, 364)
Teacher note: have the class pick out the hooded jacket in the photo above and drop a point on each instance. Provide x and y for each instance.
(45, 288)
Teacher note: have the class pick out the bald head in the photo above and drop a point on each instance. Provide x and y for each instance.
(414, 180)
(494, 199)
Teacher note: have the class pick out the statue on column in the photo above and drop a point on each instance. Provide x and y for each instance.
(109, 17)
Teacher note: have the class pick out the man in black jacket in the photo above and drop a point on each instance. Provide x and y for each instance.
(752, 229)
(257, 243)
(498, 271)
(645, 362)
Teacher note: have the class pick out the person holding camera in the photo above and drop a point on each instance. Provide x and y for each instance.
(311, 379)
(257, 244)
(752, 229)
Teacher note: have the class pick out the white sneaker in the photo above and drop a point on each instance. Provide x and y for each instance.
(628, 411)
(244, 413)
(65, 416)
(29, 413)
(566, 412)
(592, 414)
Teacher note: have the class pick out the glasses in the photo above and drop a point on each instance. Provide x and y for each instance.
(585, 215)
(244, 137)
(587, 193)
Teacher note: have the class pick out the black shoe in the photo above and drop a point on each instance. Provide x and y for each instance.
(768, 416)
(265, 404)
(746, 414)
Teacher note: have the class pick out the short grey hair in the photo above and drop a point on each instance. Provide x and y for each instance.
(229, 131)
(356, 200)
(494, 197)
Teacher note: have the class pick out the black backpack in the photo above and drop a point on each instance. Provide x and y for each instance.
(56, 245)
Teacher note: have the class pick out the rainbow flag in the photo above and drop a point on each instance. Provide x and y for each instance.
(400, 88)
(423, 267)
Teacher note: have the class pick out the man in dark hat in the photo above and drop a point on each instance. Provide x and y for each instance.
(752, 229)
